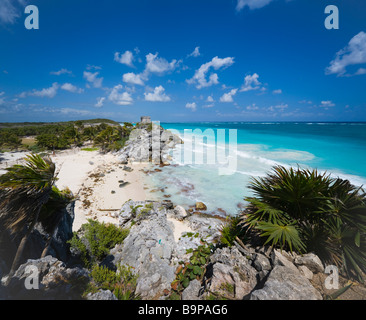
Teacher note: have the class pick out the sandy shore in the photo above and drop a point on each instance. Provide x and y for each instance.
(98, 180)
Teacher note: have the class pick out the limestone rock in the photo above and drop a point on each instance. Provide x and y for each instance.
(148, 248)
(261, 263)
(282, 258)
(208, 227)
(284, 283)
(179, 213)
(54, 280)
(232, 276)
(306, 272)
(311, 261)
(148, 142)
(192, 291)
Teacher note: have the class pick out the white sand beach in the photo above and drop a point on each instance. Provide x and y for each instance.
(98, 181)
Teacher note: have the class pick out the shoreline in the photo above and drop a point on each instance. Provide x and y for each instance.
(96, 180)
(100, 182)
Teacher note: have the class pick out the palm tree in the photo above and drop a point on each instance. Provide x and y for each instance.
(52, 212)
(305, 211)
(24, 190)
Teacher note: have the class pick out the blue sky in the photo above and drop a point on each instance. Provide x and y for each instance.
(217, 60)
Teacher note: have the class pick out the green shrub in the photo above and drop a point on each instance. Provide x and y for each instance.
(194, 269)
(305, 211)
(96, 240)
(122, 283)
(231, 230)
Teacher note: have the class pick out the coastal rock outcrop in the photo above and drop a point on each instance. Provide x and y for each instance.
(231, 275)
(47, 278)
(154, 253)
(284, 283)
(149, 142)
(148, 248)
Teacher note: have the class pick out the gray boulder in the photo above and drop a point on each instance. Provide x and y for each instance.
(283, 258)
(192, 291)
(179, 213)
(101, 295)
(208, 227)
(47, 279)
(232, 275)
(261, 262)
(284, 283)
(311, 261)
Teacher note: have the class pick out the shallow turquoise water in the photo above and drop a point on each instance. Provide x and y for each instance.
(338, 148)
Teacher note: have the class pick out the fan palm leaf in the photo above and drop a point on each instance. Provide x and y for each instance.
(284, 236)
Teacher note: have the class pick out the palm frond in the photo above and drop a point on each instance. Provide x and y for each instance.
(284, 236)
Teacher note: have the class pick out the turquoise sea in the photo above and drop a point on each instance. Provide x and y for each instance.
(337, 148)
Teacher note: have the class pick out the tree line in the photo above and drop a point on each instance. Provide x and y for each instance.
(107, 135)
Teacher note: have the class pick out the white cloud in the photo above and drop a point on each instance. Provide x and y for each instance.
(208, 106)
(61, 71)
(306, 101)
(280, 107)
(361, 71)
(327, 104)
(2, 99)
(251, 83)
(73, 111)
(192, 106)
(278, 91)
(10, 10)
(71, 88)
(100, 102)
(252, 107)
(93, 67)
(216, 63)
(93, 78)
(210, 99)
(157, 96)
(126, 58)
(154, 64)
(46, 92)
(133, 78)
(228, 97)
(195, 53)
(120, 98)
(353, 54)
(252, 4)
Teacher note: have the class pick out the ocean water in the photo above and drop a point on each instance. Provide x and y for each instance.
(336, 148)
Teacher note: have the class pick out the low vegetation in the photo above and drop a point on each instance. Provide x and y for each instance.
(188, 271)
(105, 134)
(93, 242)
(122, 282)
(304, 211)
